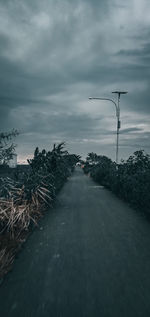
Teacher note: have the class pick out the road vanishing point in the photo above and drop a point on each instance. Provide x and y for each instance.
(89, 257)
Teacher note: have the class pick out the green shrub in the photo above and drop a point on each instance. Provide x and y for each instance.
(130, 180)
(21, 202)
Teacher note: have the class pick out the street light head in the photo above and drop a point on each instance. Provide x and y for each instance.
(90, 98)
(119, 92)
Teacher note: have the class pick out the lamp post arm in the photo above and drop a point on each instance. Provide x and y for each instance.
(109, 99)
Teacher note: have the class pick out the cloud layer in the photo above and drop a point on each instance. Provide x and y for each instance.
(55, 54)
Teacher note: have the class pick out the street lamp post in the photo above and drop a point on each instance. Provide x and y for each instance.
(117, 106)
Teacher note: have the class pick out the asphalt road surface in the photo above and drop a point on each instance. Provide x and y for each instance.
(90, 257)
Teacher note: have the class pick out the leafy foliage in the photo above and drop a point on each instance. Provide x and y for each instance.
(24, 197)
(23, 200)
(6, 147)
(130, 180)
(57, 163)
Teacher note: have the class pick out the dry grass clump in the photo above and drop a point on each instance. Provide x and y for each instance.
(16, 217)
(21, 204)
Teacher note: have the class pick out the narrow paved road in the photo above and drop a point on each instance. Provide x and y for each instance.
(90, 257)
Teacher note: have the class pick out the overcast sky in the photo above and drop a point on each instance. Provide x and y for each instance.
(55, 54)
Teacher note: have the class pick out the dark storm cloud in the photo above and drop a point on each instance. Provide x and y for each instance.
(54, 54)
(139, 52)
(130, 130)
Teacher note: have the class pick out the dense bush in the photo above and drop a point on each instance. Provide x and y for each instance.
(58, 164)
(27, 194)
(130, 180)
(22, 200)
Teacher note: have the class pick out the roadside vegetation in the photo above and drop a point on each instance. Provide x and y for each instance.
(7, 147)
(24, 198)
(129, 180)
